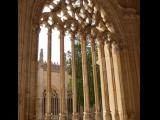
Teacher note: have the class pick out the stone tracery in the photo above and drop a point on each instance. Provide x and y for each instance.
(126, 25)
(80, 17)
(72, 15)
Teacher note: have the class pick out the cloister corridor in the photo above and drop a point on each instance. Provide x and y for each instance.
(78, 60)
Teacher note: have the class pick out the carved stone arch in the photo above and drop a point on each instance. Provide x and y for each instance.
(113, 14)
(54, 93)
(110, 9)
(56, 90)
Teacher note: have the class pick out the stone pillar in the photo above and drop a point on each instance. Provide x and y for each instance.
(62, 115)
(74, 88)
(86, 114)
(39, 83)
(109, 50)
(40, 89)
(48, 113)
(96, 93)
(104, 83)
(116, 48)
(57, 105)
(53, 105)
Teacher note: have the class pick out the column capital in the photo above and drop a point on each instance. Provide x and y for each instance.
(72, 36)
(100, 36)
(119, 46)
(108, 44)
(116, 37)
(116, 41)
(116, 45)
(49, 29)
(81, 33)
(62, 31)
(92, 41)
(82, 36)
(36, 28)
(101, 41)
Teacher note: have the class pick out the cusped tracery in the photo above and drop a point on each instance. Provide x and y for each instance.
(73, 15)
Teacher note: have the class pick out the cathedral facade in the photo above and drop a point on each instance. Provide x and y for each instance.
(42, 85)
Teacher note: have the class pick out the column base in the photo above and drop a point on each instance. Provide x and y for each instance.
(75, 116)
(62, 116)
(86, 116)
(116, 116)
(97, 116)
(48, 116)
(107, 116)
(123, 115)
(132, 117)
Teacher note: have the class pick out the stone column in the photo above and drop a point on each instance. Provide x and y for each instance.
(104, 83)
(40, 89)
(39, 85)
(74, 88)
(116, 48)
(48, 113)
(86, 114)
(62, 115)
(53, 105)
(109, 50)
(96, 93)
(57, 105)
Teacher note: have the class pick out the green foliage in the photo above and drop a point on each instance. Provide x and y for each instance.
(69, 84)
(79, 77)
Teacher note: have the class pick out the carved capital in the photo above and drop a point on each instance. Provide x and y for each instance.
(114, 37)
(109, 44)
(117, 46)
(72, 36)
(101, 40)
(49, 28)
(82, 36)
(36, 28)
(92, 42)
(117, 42)
(81, 32)
(62, 32)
